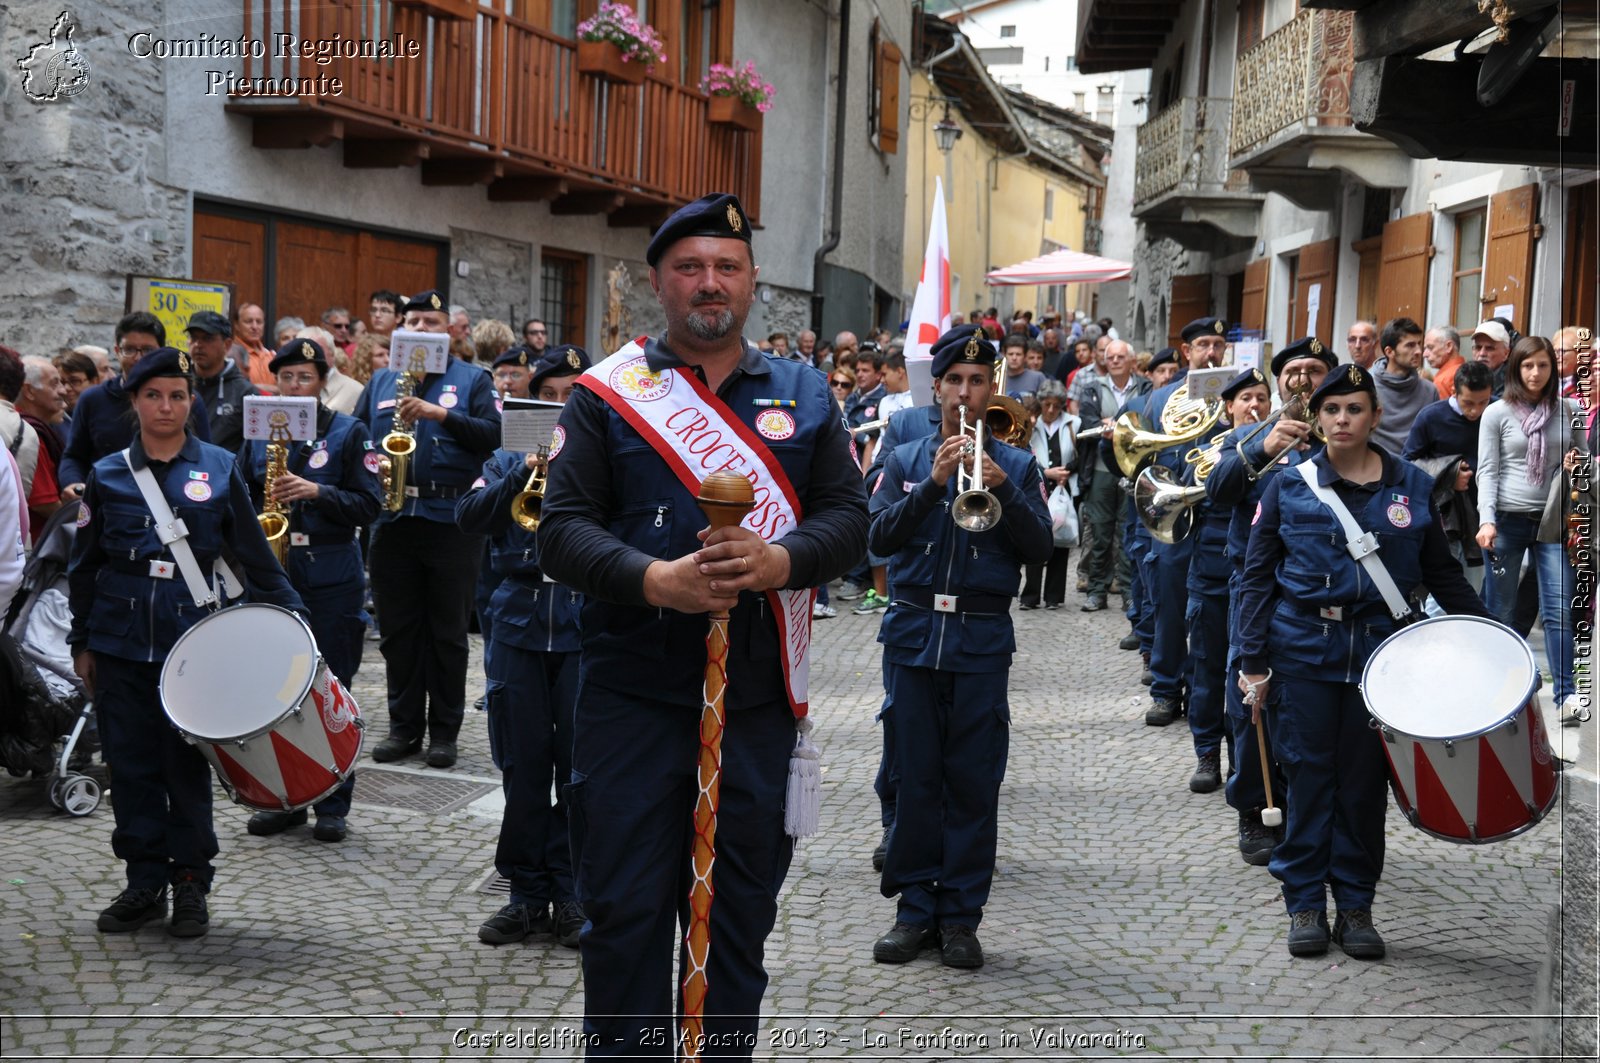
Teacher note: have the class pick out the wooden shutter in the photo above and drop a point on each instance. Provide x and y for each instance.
(232, 249)
(1191, 298)
(888, 97)
(1403, 275)
(1508, 262)
(1319, 264)
(1253, 308)
(1369, 262)
(1580, 283)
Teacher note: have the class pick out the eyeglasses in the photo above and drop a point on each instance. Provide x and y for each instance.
(840, 383)
(137, 352)
(534, 332)
(339, 325)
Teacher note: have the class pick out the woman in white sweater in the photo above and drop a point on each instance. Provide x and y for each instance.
(1525, 449)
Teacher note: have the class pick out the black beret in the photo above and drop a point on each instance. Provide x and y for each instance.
(300, 352)
(1204, 326)
(209, 321)
(1310, 347)
(1347, 380)
(718, 214)
(565, 360)
(1246, 379)
(432, 299)
(1162, 357)
(164, 361)
(520, 354)
(962, 345)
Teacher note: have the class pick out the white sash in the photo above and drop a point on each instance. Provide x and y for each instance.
(696, 435)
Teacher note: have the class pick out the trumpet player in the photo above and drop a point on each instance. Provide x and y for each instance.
(423, 567)
(948, 641)
(530, 660)
(1251, 456)
(330, 488)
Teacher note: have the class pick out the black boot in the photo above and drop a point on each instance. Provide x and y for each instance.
(1207, 776)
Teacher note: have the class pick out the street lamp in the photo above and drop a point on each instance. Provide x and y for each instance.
(946, 132)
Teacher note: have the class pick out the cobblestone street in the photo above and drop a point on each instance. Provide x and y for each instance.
(1122, 920)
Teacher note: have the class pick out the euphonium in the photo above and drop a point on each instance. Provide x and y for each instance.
(525, 508)
(401, 440)
(975, 509)
(274, 515)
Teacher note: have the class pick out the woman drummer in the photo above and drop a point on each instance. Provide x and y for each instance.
(129, 605)
(330, 488)
(1310, 617)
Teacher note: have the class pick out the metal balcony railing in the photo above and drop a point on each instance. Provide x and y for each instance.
(1297, 76)
(1184, 149)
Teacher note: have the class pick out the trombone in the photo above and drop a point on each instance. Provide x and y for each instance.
(1297, 407)
(975, 509)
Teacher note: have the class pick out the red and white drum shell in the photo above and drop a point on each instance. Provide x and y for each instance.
(247, 687)
(1456, 702)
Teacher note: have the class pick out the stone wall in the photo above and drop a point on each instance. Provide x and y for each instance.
(1155, 263)
(83, 181)
(500, 276)
(1566, 992)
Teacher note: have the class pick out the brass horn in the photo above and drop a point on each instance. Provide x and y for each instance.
(1006, 418)
(1165, 507)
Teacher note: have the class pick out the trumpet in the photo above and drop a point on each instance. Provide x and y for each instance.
(975, 509)
(1297, 407)
(526, 507)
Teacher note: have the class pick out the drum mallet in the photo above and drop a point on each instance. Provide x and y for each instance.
(1271, 816)
(725, 497)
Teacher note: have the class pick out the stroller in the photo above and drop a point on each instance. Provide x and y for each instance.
(45, 719)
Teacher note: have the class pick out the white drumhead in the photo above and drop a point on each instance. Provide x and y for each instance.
(237, 671)
(1448, 677)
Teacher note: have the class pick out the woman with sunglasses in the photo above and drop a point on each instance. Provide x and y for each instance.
(841, 385)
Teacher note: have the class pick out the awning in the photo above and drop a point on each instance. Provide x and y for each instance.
(1061, 267)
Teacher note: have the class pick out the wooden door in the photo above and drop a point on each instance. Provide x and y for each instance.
(403, 266)
(1253, 307)
(1580, 281)
(232, 249)
(1319, 264)
(315, 270)
(1368, 264)
(1191, 298)
(1403, 273)
(1508, 261)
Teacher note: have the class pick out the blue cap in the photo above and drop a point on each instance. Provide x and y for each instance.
(565, 360)
(718, 214)
(1347, 380)
(432, 299)
(300, 352)
(1309, 347)
(962, 345)
(163, 361)
(1162, 357)
(519, 354)
(1246, 379)
(209, 321)
(1204, 326)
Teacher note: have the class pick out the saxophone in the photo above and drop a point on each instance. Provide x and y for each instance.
(274, 515)
(401, 440)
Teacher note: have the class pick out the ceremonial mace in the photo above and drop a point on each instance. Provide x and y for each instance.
(725, 498)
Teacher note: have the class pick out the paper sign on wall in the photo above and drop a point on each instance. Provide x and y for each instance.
(1246, 355)
(1313, 308)
(411, 352)
(263, 413)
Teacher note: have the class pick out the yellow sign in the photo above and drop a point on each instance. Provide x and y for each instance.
(174, 300)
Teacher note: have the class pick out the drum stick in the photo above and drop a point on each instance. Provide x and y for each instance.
(1271, 816)
(725, 497)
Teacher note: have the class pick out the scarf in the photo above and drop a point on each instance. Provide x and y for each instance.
(1533, 420)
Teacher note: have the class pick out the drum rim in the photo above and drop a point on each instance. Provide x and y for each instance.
(1522, 703)
(316, 669)
(1533, 820)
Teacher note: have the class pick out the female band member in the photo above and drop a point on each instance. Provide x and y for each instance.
(128, 608)
(1310, 612)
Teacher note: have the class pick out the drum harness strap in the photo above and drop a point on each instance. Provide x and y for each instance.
(171, 531)
(1363, 545)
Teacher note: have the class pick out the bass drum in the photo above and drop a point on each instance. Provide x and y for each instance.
(1456, 701)
(247, 687)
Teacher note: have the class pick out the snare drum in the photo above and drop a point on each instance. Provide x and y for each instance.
(247, 687)
(1455, 698)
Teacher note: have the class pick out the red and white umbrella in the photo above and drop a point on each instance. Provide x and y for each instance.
(1061, 267)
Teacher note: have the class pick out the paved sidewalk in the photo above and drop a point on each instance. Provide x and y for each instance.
(1122, 923)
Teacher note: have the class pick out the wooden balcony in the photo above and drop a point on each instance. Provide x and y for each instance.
(492, 100)
(1292, 128)
(1183, 186)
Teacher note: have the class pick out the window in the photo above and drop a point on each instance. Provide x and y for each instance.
(1071, 63)
(707, 31)
(1049, 204)
(1080, 102)
(1008, 31)
(1466, 284)
(563, 292)
(1047, 64)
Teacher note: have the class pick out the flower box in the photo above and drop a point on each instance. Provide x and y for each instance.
(604, 60)
(731, 110)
